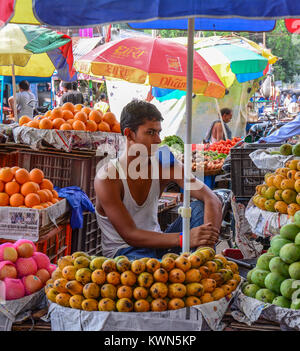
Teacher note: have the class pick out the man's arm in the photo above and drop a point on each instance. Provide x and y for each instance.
(212, 204)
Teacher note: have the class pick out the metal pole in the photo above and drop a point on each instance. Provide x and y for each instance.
(14, 92)
(186, 213)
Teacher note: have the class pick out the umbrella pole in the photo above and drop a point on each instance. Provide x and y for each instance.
(221, 119)
(186, 210)
(14, 92)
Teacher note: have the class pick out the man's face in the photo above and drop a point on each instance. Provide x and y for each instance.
(147, 134)
(227, 117)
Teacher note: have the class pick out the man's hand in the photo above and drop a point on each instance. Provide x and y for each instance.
(204, 235)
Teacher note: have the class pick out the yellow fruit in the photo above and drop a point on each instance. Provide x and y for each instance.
(51, 294)
(69, 272)
(64, 261)
(281, 207)
(277, 195)
(124, 292)
(289, 196)
(161, 275)
(277, 181)
(62, 299)
(292, 209)
(194, 289)
(192, 301)
(297, 186)
(287, 184)
(60, 285)
(291, 174)
(168, 263)
(159, 305)
(193, 276)
(76, 301)
(74, 287)
(176, 304)
(176, 290)
(91, 291)
(270, 179)
(89, 305)
(106, 304)
(218, 294)
(141, 306)
(124, 305)
(159, 290)
(293, 164)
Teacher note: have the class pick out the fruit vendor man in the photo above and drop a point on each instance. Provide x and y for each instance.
(215, 132)
(127, 202)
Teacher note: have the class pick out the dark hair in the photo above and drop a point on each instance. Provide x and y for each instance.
(136, 112)
(24, 84)
(67, 85)
(225, 111)
(74, 85)
(102, 96)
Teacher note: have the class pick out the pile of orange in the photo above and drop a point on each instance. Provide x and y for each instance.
(74, 117)
(20, 188)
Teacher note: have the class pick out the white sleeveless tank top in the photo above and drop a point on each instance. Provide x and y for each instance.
(144, 216)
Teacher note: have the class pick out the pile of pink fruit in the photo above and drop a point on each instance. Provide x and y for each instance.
(23, 270)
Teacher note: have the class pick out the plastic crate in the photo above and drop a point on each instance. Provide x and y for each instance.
(88, 238)
(55, 244)
(8, 158)
(245, 176)
(168, 216)
(64, 169)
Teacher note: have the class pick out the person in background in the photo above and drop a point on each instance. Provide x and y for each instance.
(215, 132)
(102, 104)
(71, 94)
(287, 101)
(25, 100)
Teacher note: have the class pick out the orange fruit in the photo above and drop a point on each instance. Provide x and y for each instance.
(48, 113)
(78, 107)
(38, 117)
(16, 200)
(55, 194)
(6, 174)
(44, 205)
(103, 127)
(28, 188)
(81, 116)
(33, 124)
(66, 126)
(57, 122)
(95, 116)
(1, 186)
(46, 184)
(86, 110)
(38, 207)
(116, 128)
(36, 175)
(32, 199)
(49, 203)
(71, 121)
(91, 126)
(57, 112)
(4, 199)
(45, 123)
(109, 118)
(12, 188)
(54, 201)
(78, 125)
(22, 176)
(23, 120)
(49, 194)
(44, 196)
(68, 106)
(67, 114)
(14, 169)
(206, 298)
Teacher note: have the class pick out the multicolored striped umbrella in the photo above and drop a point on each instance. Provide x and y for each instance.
(35, 51)
(234, 57)
(145, 60)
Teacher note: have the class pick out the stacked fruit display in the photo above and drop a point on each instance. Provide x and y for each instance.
(276, 277)
(74, 117)
(281, 190)
(23, 270)
(146, 284)
(20, 188)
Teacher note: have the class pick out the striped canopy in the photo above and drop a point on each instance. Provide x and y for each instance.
(35, 51)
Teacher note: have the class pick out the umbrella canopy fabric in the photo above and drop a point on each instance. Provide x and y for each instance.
(153, 61)
(237, 15)
(234, 57)
(35, 51)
